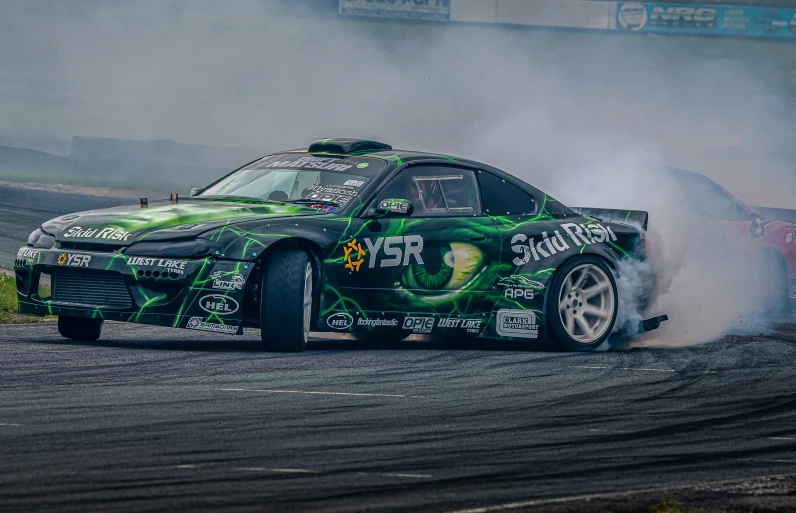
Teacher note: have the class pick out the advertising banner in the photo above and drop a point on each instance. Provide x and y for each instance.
(706, 20)
(429, 10)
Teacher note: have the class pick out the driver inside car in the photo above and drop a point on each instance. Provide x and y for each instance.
(425, 194)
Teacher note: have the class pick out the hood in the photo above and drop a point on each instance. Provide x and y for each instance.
(163, 220)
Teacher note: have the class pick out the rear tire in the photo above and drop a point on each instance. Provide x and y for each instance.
(775, 285)
(287, 299)
(581, 308)
(79, 328)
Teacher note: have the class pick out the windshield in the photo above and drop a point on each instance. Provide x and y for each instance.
(704, 198)
(325, 183)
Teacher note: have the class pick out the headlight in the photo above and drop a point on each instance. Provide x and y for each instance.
(41, 239)
(183, 249)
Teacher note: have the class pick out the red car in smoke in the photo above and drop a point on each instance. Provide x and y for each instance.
(771, 232)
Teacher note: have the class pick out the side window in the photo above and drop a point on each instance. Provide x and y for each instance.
(504, 198)
(435, 191)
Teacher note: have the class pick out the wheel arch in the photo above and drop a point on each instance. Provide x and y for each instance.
(610, 263)
(774, 254)
(252, 295)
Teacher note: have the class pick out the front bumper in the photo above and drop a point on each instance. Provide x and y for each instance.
(204, 294)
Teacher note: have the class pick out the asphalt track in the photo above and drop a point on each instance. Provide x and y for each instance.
(159, 420)
(154, 419)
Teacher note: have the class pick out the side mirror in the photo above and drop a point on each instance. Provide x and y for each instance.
(195, 191)
(392, 208)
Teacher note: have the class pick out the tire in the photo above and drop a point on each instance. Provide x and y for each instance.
(286, 302)
(775, 285)
(78, 328)
(567, 328)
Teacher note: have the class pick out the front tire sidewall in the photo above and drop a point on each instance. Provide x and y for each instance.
(555, 329)
(282, 314)
(774, 294)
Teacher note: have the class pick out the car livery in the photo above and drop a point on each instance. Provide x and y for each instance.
(348, 236)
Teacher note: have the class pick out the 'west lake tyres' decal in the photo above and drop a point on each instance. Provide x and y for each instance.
(163, 264)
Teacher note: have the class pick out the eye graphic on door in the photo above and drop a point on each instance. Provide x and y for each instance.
(445, 267)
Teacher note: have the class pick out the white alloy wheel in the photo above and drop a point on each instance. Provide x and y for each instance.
(586, 303)
(307, 299)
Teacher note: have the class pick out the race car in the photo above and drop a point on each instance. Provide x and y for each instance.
(766, 232)
(346, 236)
(769, 234)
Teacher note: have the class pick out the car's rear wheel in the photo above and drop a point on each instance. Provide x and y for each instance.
(287, 298)
(79, 328)
(582, 303)
(774, 285)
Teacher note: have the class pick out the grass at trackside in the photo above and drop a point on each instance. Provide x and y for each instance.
(8, 303)
(151, 185)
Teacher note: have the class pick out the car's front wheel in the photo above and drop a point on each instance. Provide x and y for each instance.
(582, 303)
(286, 305)
(78, 328)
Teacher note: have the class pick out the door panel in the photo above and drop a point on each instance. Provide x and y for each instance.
(429, 272)
(416, 266)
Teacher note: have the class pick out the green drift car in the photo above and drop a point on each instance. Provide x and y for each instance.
(348, 236)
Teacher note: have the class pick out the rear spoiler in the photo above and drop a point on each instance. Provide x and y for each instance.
(632, 217)
(779, 214)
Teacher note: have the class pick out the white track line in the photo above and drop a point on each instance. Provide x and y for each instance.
(10, 424)
(541, 502)
(280, 470)
(308, 471)
(607, 495)
(411, 476)
(315, 393)
(781, 438)
(623, 368)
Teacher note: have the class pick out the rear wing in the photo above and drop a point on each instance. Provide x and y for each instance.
(638, 218)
